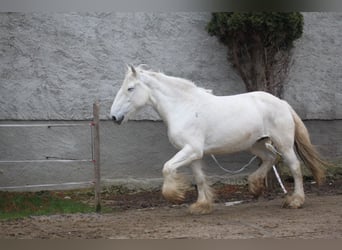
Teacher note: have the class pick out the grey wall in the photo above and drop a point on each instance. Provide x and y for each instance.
(62, 62)
(314, 87)
(131, 153)
(55, 65)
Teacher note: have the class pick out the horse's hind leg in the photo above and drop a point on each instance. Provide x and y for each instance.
(204, 203)
(256, 181)
(296, 200)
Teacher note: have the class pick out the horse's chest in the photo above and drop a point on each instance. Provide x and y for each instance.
(180, 136)
(176, 140)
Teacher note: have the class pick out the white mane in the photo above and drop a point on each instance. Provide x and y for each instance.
(180, 83)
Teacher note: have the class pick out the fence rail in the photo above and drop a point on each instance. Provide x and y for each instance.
(44, 125)
(95, 155)
(56, 185)
(43, 161)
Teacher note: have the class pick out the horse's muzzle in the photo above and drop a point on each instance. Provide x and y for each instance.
(118, 120)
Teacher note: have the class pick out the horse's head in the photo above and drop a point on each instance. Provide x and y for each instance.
(132, 95)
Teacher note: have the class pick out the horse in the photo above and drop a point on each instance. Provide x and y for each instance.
(200, 123)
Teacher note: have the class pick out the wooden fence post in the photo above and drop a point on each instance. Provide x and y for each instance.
(96, 121)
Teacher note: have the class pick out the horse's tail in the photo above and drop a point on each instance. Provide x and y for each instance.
(307, 151)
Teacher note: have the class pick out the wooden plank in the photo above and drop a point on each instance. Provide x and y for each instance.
(96, 123)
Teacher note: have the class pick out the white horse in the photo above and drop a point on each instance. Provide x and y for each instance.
(201, 123)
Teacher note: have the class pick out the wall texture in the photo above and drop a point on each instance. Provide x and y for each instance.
(314, 87)
(53, 66)
(62, 62)
(132, 153)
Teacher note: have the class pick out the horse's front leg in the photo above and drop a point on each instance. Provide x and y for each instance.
(175, 185)
(204, 203)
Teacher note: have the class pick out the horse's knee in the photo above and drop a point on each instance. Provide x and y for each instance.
(167, 170)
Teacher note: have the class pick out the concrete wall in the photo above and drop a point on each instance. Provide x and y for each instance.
(137, 150)
(55, 65)
(63, 62)
(314, 87)
(131, 153)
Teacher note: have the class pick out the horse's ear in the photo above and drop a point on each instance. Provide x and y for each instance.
(131, 67)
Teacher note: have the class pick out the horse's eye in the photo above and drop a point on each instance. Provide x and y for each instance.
(130, 89)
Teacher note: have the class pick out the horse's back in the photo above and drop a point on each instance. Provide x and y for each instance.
(277, 118)
(259, 103)
(273, 111)
(265, 103)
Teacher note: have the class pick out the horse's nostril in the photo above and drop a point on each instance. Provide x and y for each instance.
(114, 118)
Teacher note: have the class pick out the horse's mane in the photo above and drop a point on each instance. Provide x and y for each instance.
(178, 82)
(172, 80)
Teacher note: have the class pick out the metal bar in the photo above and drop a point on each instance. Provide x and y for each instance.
(38, 161)
(49, 185)
(44, 125)
(279, 179)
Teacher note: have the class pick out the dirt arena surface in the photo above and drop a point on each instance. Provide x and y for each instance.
(148, 216)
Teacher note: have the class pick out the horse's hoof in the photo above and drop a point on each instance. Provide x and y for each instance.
(293, 201)
(175, 187)
(172, 195)
(201, 208)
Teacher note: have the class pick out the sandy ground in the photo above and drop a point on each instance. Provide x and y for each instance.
(321, 218)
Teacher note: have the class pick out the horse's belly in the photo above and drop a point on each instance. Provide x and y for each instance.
(229, 147)
(232, 140)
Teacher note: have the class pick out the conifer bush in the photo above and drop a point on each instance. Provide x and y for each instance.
(259, 45)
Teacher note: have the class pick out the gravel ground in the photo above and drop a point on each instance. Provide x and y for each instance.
(148, 216)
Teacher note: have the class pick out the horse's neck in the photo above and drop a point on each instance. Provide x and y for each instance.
(169, 98)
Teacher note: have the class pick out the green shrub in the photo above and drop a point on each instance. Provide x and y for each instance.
(259, 44)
